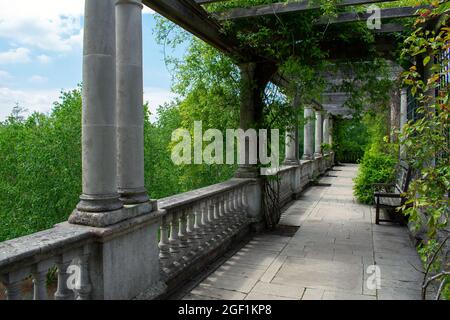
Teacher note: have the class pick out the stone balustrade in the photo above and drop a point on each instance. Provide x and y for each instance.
(200, 225)
(195, 228)
(65, 250)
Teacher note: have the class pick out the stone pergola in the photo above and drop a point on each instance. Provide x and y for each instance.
(125, 244)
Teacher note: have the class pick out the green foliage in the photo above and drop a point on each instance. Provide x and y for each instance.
(426, 140)
(375, 167)
(379, 160)
(40, 175)
(350, 139)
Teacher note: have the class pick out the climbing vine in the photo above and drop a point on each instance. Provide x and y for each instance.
(426, 143)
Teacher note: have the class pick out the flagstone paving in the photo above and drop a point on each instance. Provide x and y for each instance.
(331, 256)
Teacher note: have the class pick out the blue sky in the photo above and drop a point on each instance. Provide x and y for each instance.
(41, 54)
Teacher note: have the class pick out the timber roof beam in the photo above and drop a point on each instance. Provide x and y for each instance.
(284, 8)
(189, 15)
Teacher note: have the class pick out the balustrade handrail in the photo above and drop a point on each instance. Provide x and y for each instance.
(41, 245)
(190, 197)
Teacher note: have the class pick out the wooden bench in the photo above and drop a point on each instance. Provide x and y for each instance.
(390, 195)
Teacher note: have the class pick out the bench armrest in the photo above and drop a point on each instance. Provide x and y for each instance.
(383, 185)
(387, 195)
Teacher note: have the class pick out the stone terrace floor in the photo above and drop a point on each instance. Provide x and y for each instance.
(327, 258)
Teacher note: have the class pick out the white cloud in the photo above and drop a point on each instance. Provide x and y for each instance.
(44, 59)
(156, 97)
(32, 100)
(5, 75)
(45, 24)
(18, 55)
(36, 79)
(53, 25)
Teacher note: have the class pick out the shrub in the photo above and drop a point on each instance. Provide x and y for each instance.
(375, 167)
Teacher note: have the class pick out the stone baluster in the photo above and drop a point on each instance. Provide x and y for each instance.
(84, 290)
(211, 223)
(218, 223)
(174, 245)
(164, 246)
(174, 242)
(244, 198)
(190, 231)
(242, 209)
(223, 216)
(13, 288)
(40, 285)
(62, 291)
(204, 224)
(182, 235)
(234, 213)
(228, 211)
(239, 212)
(198, 234)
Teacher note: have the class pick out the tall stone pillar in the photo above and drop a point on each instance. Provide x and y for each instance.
(130, 109)
(319, 134)
(254, 79)
(308, 149)
(403, 116)
(330, 131)
(291, 144)
(99, 146)
(326, 129)
(395, 115)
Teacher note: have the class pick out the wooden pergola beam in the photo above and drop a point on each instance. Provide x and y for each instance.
(208, 1)
(283, 8)
(193, 18)
(388, 13)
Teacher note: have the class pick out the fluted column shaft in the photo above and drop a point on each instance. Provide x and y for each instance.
(99, 144)
(308, 142)
(130, 130)
(319, 134)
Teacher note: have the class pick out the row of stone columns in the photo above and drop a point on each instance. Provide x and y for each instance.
(312, 144)
(112, 117)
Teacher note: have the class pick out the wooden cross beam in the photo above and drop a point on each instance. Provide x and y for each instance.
(192, 17)
(283, 8)
(388, 13)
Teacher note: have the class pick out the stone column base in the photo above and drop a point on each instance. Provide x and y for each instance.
(247, 172)
(109, 218)
(291, 162)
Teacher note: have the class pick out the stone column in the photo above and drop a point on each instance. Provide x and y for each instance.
(130, 111)
(308, 149)
(330, 131)
(326, 129)
(254, 78)
(99, 145)
(319, 134)
(291, 140)
(403, 116)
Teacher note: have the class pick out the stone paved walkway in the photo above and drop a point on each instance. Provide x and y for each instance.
(328, 257)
